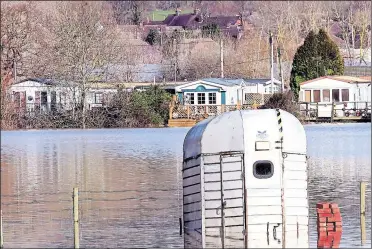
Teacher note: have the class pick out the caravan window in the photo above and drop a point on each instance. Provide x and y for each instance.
(98, 98)
(345, 94)
(263, 169)
(189, 98)
(201, 98)
(326, 95)
(316, 95)
(336, 95)
(212, 98)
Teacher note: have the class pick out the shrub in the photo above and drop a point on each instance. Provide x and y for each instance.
(284, 101)
(153, 37)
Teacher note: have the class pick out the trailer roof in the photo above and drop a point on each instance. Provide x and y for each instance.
(228, 132)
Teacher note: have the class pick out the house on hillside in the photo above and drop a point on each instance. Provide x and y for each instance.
(344, 91)
(221, 91)
(229, 25)
(45, 95)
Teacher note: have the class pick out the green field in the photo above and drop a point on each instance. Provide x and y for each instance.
(160, 15)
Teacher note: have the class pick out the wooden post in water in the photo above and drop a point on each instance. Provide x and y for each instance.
(1, 227)
(363, 212)
(76, 217)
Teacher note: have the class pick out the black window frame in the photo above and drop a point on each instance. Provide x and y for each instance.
(201, 96)
(190, 98)
(335, 95)
(212, 96)
(263, 176)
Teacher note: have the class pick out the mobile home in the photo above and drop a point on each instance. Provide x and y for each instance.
(344, 91)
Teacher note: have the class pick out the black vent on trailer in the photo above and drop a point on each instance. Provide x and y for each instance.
(263, 169)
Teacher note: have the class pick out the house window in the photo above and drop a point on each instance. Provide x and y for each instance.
(212, 98)
(316, 95)
(189, 98)
(307, 95)
(98, 98)
(345, 94)
(263, 169)
(201, 98)
(336, 95)
(326, 95)
(16, 98)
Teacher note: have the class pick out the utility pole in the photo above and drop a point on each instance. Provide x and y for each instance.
(271, 61)
(175, 61)
(15, 70)
(221, 55)
(280, 69)
(175, 72)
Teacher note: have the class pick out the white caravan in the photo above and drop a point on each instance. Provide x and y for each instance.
(245, 182)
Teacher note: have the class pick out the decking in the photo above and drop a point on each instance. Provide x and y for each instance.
(189, 115)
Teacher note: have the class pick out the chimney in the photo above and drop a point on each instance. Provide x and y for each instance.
(178, 12)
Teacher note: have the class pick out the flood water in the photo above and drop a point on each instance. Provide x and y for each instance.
(130, 195)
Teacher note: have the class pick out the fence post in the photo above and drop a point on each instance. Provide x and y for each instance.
(222, 108)
(363, 211)
(366, 109)
(317, 110)
(76, 217)
(307, 110)
(332, 111)
(1, 227)
(171, 111)
(171, 106)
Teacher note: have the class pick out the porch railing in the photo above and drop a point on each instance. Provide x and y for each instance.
(203, 111)
(308, 110)
(332, 110)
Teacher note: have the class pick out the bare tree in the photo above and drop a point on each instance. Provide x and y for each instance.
(362, 20)
(82, 46)
(19, 26)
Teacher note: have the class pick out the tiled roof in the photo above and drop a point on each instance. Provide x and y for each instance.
(179, 20)
(221, 21)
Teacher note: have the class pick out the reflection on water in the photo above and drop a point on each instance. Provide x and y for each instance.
(130, 195)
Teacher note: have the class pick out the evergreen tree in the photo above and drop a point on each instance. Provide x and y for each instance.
(153, 37)
(318, 56)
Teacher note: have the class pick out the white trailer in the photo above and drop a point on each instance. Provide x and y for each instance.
(245, 182)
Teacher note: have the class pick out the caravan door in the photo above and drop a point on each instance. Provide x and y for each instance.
(263, 167)
(224, 200)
